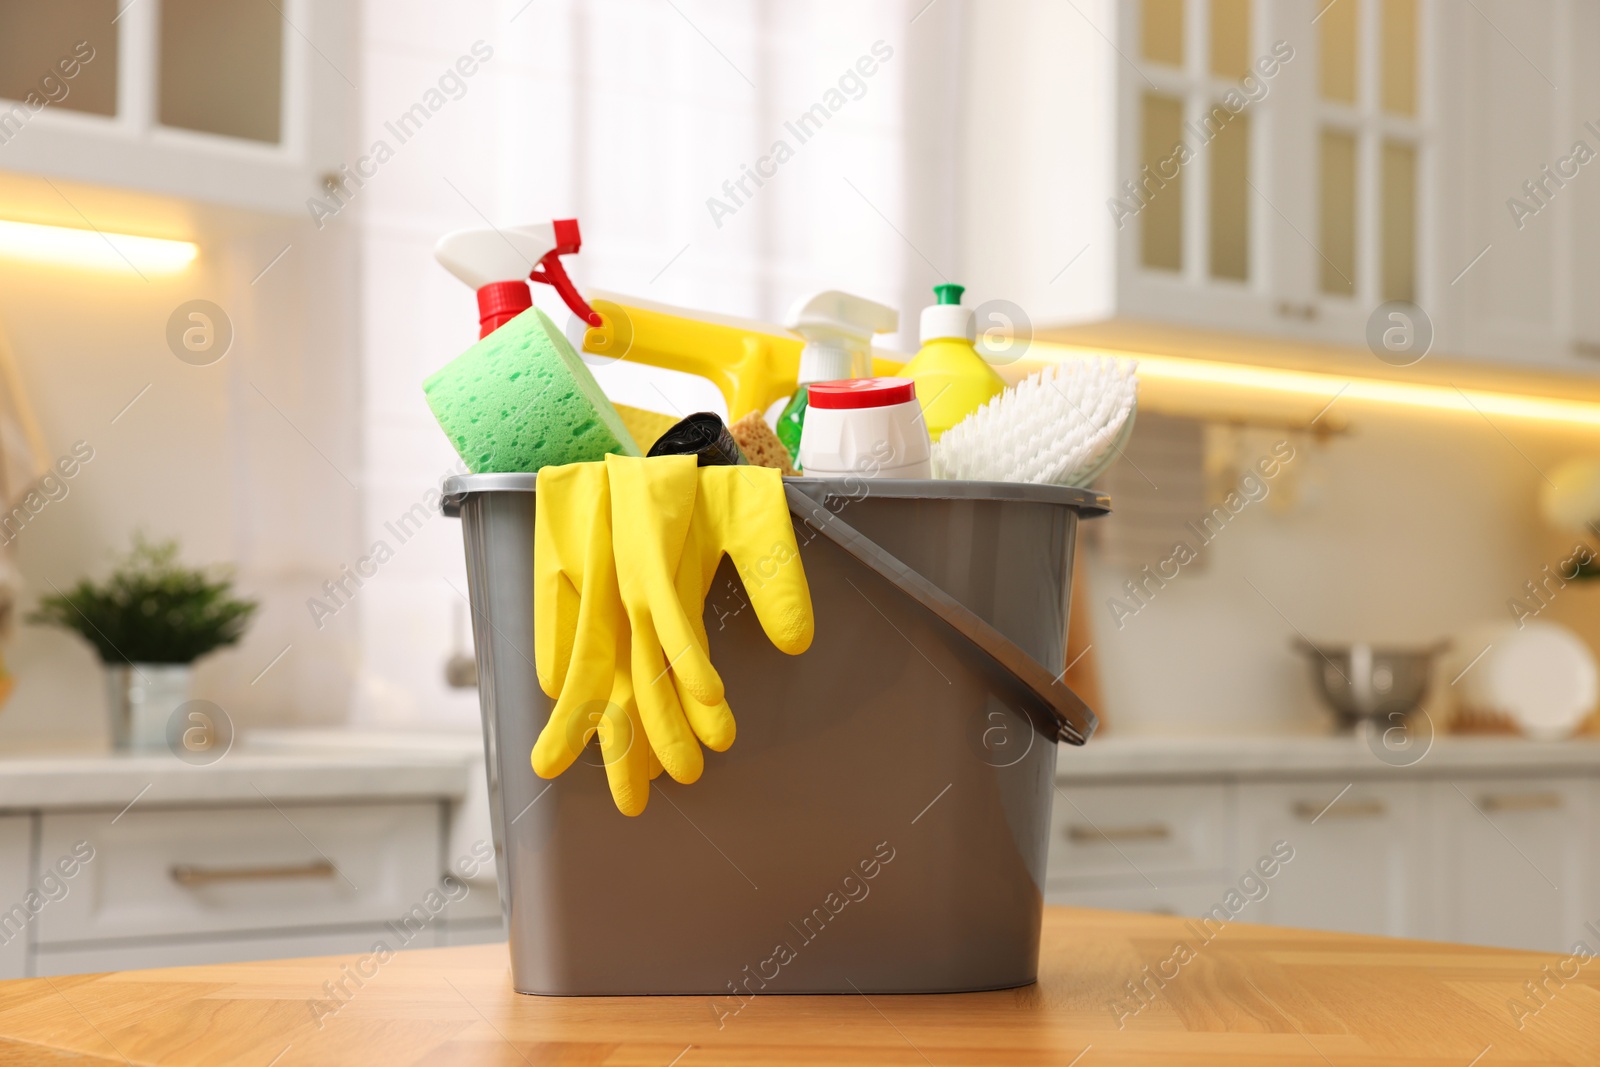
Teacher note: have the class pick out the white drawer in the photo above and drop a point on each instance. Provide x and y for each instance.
(162, 873)
(1113, 831)
(1185, 900)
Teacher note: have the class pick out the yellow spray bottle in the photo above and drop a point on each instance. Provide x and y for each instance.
(952, 380)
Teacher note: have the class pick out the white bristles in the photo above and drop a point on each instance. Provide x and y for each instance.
(1059, 427)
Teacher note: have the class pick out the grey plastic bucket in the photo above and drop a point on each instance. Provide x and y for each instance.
(881, 823)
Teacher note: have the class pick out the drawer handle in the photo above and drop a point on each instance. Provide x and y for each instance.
(1089, 835)
(1353, 809)
(1304, 312)
(1521, 801)
(190, 877)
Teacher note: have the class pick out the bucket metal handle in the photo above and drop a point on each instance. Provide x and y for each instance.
(1073, 719)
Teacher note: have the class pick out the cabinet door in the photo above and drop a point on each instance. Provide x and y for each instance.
(1505, 120)
(15, 870)
(1307, 134)
(1370, 155)
(228, 103)
(1359, 854)
(1582, 279)
(1515, 869)
(1198, 153)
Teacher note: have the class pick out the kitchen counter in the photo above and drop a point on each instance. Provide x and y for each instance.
(1256, 756)
(310, 770)
(1254, 995)
(305, 843)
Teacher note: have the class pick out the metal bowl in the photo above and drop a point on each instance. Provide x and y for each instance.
(1361, 681)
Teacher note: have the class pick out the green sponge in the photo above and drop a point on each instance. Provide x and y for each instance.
(521, 399)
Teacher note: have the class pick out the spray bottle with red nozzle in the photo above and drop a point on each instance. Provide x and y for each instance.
(496, 263)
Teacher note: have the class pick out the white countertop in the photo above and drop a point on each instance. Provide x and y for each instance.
(1257, 756)
(299, 766)
(279, 766)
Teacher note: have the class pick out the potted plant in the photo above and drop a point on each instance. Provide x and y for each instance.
(149, 621)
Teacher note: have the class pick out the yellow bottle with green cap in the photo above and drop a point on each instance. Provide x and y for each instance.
(952, 380)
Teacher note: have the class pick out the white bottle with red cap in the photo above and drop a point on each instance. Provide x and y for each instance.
(868, 427)
(497, 261)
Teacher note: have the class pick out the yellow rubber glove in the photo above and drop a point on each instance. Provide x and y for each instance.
(712, 722)
(570, 499)
(632, 660)
(652, 505)
(581, 638)
(742, 512)
(674, 521)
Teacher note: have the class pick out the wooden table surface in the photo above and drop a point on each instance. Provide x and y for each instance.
(1252, 995)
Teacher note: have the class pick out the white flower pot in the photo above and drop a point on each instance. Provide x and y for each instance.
(142, 698)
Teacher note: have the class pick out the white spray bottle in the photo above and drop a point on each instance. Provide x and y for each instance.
(499, 262)
(838, 330)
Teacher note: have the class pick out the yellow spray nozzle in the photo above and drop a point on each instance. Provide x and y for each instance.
(753, 364)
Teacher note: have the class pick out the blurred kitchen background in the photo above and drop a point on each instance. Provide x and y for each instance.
(1351, 241)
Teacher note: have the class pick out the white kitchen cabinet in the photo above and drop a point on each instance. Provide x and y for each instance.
(1360, 854)
(1193, 900)
(1167, 162)
(473, 932)
(188, 874)
(16, 838)
(1516, 861)
(1578, 235)
(245, 104)
(1370, 157)
(474, 918)
(1484, 840)
(1112, 835)
(1516, 195)
(1501, 859)
(169, 864)
(1163, 849)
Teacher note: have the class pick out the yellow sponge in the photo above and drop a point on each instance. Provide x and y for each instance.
(760, 444)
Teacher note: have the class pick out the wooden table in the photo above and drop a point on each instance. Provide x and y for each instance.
(1252, 995)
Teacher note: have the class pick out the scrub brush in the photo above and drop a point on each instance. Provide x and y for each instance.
(1061, 426)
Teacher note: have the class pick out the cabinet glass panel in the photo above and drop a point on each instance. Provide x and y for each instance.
(1336, 193)
(1229, 155)
(1161, 219)
(221, 67)
(1399, 243)
(57, 54)
(1161, 31)
(1230, 38)
(1336, 40)
(1398, 69)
